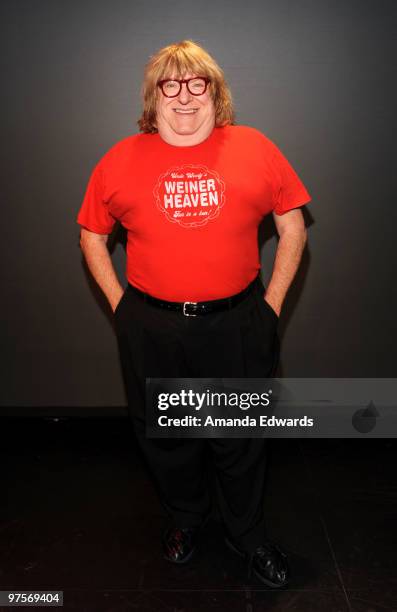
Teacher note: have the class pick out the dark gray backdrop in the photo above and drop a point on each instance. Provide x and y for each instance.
(315, 76)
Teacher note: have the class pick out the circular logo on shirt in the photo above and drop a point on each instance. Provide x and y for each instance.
(190, 195)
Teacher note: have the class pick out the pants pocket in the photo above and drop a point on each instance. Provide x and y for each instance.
(264, 308)
(118, 307)
(259, 334)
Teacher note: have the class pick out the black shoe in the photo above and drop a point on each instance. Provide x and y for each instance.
(268, 562)
(179, 543)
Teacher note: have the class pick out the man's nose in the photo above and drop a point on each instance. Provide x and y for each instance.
(184, 95)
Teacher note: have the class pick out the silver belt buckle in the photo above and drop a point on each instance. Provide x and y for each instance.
(187, 314)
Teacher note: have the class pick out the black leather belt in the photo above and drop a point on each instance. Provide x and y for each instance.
(192, 309)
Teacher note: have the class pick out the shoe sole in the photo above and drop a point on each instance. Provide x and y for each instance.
(261, 578)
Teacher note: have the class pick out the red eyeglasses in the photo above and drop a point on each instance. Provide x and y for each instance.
(172, 87)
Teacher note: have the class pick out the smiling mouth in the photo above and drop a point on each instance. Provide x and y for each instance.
(183, 111)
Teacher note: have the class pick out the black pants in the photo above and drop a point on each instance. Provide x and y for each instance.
(240, 342)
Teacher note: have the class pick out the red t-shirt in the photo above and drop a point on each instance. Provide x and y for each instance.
(191, 213)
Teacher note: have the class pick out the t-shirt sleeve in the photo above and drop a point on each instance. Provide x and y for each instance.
(288, 190)
(94, 212)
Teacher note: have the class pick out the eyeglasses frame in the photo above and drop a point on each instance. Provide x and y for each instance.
(181, 81)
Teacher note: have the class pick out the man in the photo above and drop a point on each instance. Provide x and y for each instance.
(191, 191)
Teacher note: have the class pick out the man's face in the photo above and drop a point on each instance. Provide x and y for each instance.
(187, 119)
